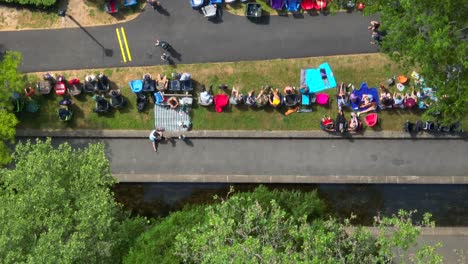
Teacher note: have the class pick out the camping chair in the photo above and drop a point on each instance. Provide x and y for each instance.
(371, 119)
(220, 102)
(65, 113)
(174, 85)
(130, 2)
(141, 101)
(186, 85)
(159, 99)
(210, 10)
(322, 99)
(60, 87)
(75, 87)
(277, 4)
(149, 85)
(136, 86)
(111, 6)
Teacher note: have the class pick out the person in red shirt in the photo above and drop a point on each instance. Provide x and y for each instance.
(29, 91)
(327, 122)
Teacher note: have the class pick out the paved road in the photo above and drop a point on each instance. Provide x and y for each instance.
(288, 157)
(194, 38)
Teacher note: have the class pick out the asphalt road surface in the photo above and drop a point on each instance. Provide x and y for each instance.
(306, 157)
(194, 38)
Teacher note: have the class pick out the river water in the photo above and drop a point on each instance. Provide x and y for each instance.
(447, 203)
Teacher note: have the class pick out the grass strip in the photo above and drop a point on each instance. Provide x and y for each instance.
(372, 68)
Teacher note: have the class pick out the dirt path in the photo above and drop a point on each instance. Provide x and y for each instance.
(86, 12)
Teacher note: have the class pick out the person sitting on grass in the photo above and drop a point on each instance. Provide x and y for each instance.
(206, 97)
(341, 123)
(275, 98)
(173, 102)
(410, 100)
(162, 82)
(342, 96)
(367, 104)
(398, 100)
(327, 124)
(289, 90)
(250, 99)
(29, 92)
(354, 122)
(262, 98)
(386, 99)
(236, 97)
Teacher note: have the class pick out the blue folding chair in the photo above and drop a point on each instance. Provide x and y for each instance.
(130, 2)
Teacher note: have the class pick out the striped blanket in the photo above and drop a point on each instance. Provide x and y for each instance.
(170, 119)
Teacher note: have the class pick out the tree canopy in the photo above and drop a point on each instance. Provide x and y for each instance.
(57, 207)
(430, 36)
(11, 80)
(266, 226)
(40, 3)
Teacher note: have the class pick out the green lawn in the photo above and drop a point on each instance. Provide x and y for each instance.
(372, 68)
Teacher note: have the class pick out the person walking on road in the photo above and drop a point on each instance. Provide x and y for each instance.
(155, 137)
(163, 44)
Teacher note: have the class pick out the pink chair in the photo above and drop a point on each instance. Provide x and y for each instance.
(322, 98)
(220, 102)
(371, 119)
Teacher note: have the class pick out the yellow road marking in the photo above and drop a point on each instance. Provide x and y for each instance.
(121, 46)
(126, 44)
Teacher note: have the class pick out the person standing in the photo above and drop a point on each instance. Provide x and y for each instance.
(163, 44)
(155, 137)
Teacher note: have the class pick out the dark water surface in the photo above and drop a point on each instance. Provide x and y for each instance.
(447, 203)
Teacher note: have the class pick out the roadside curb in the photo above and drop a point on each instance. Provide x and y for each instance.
(312, 134)
(330, 179)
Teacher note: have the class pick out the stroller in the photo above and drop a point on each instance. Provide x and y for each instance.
(141, 101)
(117, 100)
(46, 85)
(90, 84)
(75, 87)
(60, 87)
(65, 111)
(149, 85)
(102, 105)
(103, 84)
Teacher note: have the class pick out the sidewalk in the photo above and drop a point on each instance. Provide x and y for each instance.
(253, 134)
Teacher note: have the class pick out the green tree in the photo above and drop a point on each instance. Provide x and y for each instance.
(430, 36)
(241, 230)
(11, 80)
(39, 3)
(57, 207)
(157, 244)
(8, 124)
